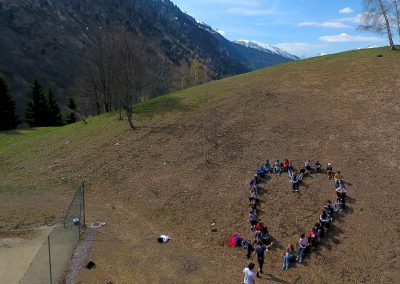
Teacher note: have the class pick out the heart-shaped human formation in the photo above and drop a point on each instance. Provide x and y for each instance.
(307, 242)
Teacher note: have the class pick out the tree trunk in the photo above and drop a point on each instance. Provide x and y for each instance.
(129, 113)
(389, 31)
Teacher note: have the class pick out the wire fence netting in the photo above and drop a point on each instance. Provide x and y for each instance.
(52, 260)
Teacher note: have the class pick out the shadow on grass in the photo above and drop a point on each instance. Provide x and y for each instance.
(11, 132)
(275, 279)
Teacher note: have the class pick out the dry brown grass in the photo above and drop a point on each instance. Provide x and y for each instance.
(342, 108)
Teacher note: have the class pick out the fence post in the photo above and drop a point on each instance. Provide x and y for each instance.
(51, 276)
(80, 212)
(83, 204)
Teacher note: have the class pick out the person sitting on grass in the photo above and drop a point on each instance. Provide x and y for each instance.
(256, 188)
(264, 236)
(253, 204)
(267, 167)
(285, 164)
(301, 175)
(290, 170)
(329, 171)
(258, 229)
(250, 249)
(338, 206)
(295, 182)
(320, 229)
(325, 219)
(289, 256)
(337, 178)
(313, 237)
(253, 219)
(329, 207)
(303, 246)
(341, 194)
(317, 166)
(256, 179)
(253, 195)
(277, 168)
(252, 182)
(261, 171)
(307, 166)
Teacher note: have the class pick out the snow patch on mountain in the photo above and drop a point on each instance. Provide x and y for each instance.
(266, 48)
(367, 47)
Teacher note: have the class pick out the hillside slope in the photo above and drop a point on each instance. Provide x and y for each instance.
(340, 108)
(46, 40)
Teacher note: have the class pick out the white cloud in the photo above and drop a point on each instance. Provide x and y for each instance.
(346, 10)
(298, 47)
(357, 19)
(343, 37)
(334, 25)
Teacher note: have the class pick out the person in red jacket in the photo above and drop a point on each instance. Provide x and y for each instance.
(285, 164)
(259, 227)
(313, 237)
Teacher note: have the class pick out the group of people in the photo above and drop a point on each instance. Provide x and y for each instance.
(286, 166)
(262, 241)
(312, 239)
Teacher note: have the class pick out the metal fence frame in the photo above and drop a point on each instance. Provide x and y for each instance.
(39, 265)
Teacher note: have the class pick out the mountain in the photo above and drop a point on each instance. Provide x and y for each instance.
(46, 39)
(269, 49)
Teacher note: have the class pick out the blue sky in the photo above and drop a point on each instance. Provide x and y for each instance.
(301, 27)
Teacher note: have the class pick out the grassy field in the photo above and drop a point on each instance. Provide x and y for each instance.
(340, 108)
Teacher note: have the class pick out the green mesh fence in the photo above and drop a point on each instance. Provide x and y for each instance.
(52, 261)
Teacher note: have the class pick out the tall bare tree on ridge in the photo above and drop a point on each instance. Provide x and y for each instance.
(376, 18)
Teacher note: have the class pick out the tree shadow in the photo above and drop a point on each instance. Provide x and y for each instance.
(11, 132)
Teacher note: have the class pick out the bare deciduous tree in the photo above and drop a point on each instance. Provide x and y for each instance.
(376, 18)
(397, 15)
(119, 70)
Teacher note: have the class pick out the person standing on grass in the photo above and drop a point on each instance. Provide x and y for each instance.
(260, 250)
(249, 274)
(295, 182)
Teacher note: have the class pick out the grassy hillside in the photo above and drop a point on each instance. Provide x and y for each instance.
(341, 108)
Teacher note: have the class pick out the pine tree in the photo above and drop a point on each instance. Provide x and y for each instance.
(72, 107)
(37, 112)
(8, 116)
(54, 113)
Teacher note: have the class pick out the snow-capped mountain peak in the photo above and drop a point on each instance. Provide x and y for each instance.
(266, 48)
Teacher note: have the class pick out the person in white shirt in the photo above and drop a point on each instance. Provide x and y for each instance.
(249, 274)
(341, 193)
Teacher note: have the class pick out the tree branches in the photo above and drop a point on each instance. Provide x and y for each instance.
(378, 17)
